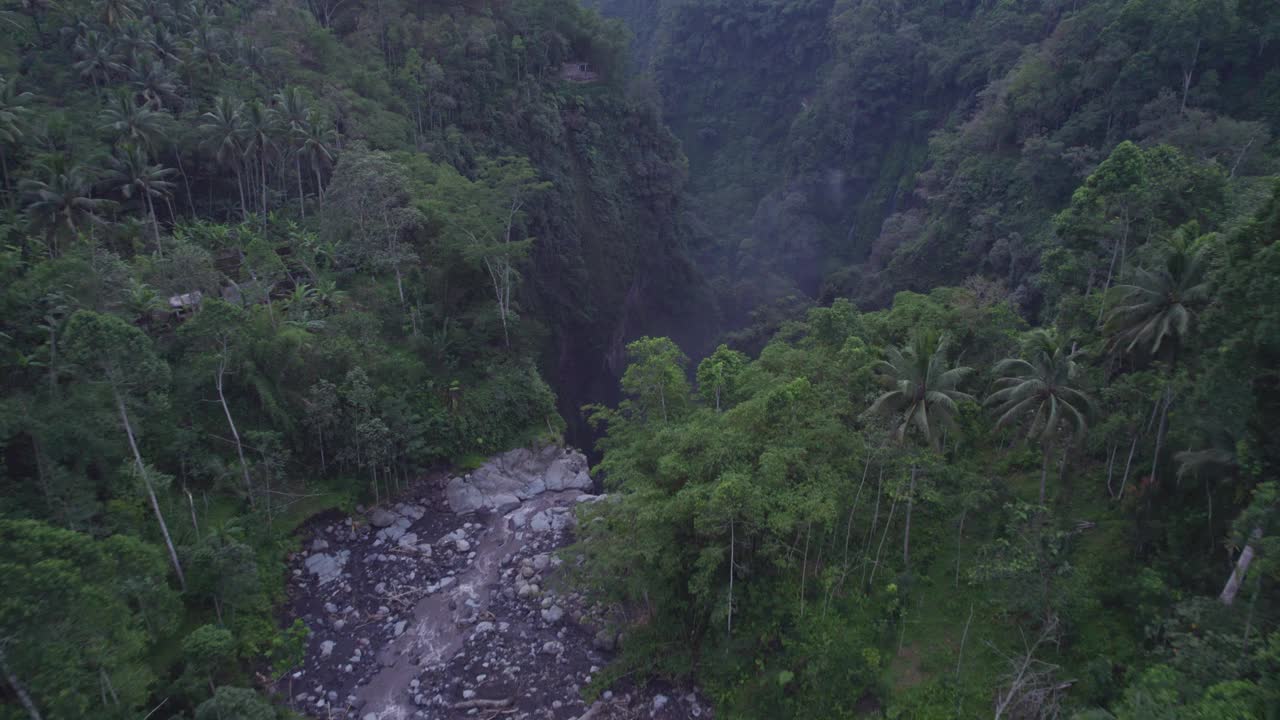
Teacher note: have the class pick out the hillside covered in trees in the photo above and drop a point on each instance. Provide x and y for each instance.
(989, 430)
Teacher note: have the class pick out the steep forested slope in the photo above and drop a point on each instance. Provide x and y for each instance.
(861, 147)
(261, 259)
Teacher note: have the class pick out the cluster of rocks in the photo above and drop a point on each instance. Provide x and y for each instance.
(472, 624)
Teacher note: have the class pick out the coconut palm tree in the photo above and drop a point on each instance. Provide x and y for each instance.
(62, 203)
(133, 175)
(921, 397)
(132, 123)
(293, 116)
(223, 130)
(1155, 315)
(155, 84)
(96, 58)
(259, 131)
(13, 114)
(1043, 393)
(317, 137)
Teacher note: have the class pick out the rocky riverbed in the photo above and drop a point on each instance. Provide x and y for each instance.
(444, 605)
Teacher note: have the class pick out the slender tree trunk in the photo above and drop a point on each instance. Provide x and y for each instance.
(151, 493)
(235, 434)
(888, 523)
(1128, 463)
(319, 187)
(191, 503)
(906, 535)
(804, 564)
(733, 539)
(1044, 469)
(4, 172)
(244, 204)
(186, 182)
(1161, 430)
(848, 528)
(1111, 466)
(27, 703)
(875, 523)
(959, 541)
(155, 223)
(302, 197)
(1188, 74)
(1238, 573)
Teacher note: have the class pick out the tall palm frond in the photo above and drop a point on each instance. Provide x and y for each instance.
(1157, 311)
(922, 389)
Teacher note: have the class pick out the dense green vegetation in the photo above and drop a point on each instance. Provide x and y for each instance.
(855, 148)
(265, 258)
(1019, 487)
(938, 510)
(992, 432)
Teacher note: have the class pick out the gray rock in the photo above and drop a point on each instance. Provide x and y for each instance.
(326, 648)
(408, 540)
(552, 647)
(540, 522)
(605, 640)
(503, 482)
(553, 614)
(382, 517)
(659, 702)
(462, 545)
(399, 629)
(327, 567)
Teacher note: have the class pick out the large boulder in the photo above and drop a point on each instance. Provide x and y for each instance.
(507, 480)
(381, 517)
(327, 568)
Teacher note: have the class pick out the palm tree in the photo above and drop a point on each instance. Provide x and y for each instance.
(134, 175)
(116, 11)
(1158, 310)
(921, 397)
(223, 129)
(62, 203)
(155, 84)
(96, 58)
(13, 113)
(132, 123)
(317, 136)
(1155, 315)
(260, 128)
(1041, 392)
(293, 115)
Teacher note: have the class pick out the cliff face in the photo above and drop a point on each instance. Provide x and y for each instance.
(842, 148)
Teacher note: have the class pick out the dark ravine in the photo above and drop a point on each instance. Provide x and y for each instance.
(418, 611)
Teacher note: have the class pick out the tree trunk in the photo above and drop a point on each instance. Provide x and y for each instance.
(906, 535)
(151, 493)
(21, 692)
(888, 523)
(1234, 582)
(244, 204)
(959, 540)
(1161, 430)
(155, 223)
(875, 523)
(319, 187)
(1044, 470)
(1188, 74)
(1128, 463)
(302, 197)
(732, 542)
(235, 434)
(186, 182)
